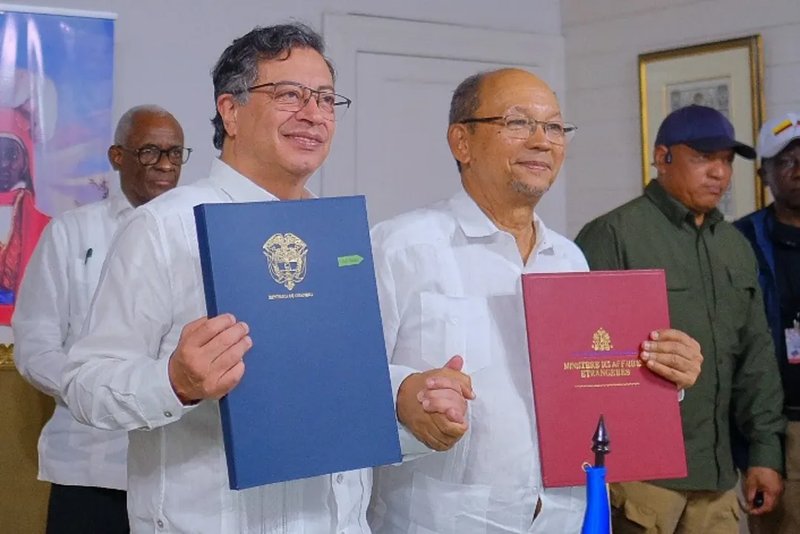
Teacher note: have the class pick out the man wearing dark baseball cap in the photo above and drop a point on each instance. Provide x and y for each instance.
(774, 233)
(715, 298)
(703, 129)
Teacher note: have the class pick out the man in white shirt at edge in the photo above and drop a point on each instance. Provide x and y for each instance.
(86, 466)
(150, 362)
(449, 283)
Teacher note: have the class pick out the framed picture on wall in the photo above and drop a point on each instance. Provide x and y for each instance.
(56, 89)
(725, 75)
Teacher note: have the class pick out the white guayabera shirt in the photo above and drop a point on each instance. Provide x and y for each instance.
(117, 378)
(449, 283)
(53, 302)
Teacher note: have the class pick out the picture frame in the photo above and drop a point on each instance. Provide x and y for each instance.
(726, 75)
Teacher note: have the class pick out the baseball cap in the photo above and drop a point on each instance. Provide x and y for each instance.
(703, 128)
(776, 134)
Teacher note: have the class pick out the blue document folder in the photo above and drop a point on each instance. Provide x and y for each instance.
(315, 397)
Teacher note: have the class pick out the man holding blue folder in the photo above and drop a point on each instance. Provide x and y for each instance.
(150, 362)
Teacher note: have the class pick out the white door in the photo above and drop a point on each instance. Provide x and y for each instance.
(392, 144)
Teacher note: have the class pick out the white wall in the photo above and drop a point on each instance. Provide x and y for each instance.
(602, 41)
(165, 49)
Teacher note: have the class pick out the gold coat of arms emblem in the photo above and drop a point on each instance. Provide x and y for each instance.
(601, 340)
(286, 257)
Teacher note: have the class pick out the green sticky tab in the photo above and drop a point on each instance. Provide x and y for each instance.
(346, 261)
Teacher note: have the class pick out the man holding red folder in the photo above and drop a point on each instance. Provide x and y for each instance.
(449, 283)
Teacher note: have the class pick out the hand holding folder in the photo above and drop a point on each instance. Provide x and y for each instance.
(584, 336)
(208, 361)
(673, 355)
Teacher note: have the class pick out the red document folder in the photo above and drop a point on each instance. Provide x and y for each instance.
(584, 335)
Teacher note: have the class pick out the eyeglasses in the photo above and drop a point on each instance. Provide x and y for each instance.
(522, 127)
(293, 96)
(151, 154)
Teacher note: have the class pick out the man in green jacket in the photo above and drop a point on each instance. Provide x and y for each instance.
(714, 297)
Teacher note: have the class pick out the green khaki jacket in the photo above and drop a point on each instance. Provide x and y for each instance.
(714, 297)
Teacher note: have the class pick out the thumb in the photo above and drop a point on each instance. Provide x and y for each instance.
(456, 363)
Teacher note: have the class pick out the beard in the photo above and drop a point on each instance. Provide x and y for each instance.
(530, 191)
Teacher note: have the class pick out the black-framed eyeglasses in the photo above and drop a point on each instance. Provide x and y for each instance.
(151, 154)
(294, 96)
(521, 127)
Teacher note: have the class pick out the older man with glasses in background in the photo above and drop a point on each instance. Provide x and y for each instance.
(86, 466)
(449, 282)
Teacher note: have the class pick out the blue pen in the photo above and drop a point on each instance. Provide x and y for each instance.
(88, 255)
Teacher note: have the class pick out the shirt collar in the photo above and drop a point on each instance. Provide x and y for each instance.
(237, 186)
(543, 240)
(471, 218)
(119, 205)
(676, 212)
(475, 223)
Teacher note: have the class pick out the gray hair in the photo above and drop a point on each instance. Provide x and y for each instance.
(466, 100)
(125, 123)
(237, 67)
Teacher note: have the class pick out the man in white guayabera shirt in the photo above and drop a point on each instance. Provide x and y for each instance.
(86, 466)
(449, 283)
(149, 361)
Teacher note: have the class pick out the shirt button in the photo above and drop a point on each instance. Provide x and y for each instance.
(339, 478)
(167, 414)
(160, 523)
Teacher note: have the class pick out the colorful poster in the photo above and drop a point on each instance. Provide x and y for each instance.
(56, 88)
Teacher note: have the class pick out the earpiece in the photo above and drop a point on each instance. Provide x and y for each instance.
(668, 158)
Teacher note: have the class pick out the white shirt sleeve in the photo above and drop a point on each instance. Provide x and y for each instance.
(410, 446)
(116, 377)
(41, 314)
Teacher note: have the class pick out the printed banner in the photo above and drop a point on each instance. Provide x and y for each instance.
(56, 88)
